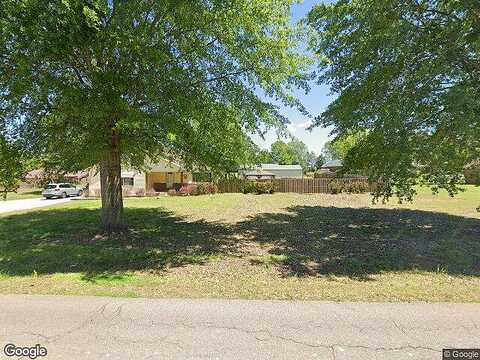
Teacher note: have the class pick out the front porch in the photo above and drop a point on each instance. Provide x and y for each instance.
(162, 181)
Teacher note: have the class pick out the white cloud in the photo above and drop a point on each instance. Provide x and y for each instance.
(305, 124)
(292, 127)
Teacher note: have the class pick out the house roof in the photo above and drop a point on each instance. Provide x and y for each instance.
(34, 174)
(280, 167)
(258, 173)
(332, 163)
(39, 173)
(164, 165)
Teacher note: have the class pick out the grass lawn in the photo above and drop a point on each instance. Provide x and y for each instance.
(281, 246)
(24, 194)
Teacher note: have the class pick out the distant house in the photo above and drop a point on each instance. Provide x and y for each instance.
(272, 171)
(160, 177)
(472, 173)
(332, 166)
(40, 177)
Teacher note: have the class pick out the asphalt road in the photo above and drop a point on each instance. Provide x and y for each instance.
(104, 328)
(26, 204)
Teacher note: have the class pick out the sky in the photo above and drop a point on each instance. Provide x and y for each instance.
(315, 101)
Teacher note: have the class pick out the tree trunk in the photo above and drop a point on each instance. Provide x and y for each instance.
(111, 188)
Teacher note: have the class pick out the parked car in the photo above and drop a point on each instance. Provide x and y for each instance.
(61, 190)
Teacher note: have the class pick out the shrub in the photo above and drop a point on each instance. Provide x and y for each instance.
(214, 189)
(132, 192)
(357, 187)
(190, 189)
(352, 187)
(140, 192)
(258, 187)
(194, 189)
(335, 187)
(248, 187)
(472, 174)
(206, 188)
(265, 187)
(152, 193)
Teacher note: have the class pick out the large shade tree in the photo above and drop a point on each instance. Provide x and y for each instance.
(407, 73)
(111, 82)
(13, 166)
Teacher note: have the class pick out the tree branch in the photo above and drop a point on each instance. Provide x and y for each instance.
(114, 7)
(220, 77)
(80, 77)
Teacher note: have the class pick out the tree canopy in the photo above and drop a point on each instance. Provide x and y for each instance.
(264, 157)
(319, 161)
(339, 148)
(281, 153)
(295, 152)
(105, 82)
(13, 166)
(407, 73)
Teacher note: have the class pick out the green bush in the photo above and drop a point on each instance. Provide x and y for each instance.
(249, 187)
(357, 187)
(189, 189)
(472, 175)
(335, 187)
(258, 187)
(206, 188)
(352, 187)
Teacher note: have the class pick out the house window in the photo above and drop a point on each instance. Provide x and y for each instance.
(127, 181)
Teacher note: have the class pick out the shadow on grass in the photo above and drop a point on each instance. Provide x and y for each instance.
(352, 242)
(63, 241)
(304, 241)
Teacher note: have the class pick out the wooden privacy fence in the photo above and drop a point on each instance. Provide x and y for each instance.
(302, 186)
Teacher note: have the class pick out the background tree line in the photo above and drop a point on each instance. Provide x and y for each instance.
(293, 152)
(105, 83)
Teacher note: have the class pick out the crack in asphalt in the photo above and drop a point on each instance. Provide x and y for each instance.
(91, 319)
(330, 347)
(260, 335)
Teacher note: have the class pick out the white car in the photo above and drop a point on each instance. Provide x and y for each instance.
(61, 190)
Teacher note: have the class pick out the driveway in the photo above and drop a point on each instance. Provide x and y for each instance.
(105, 328)
(26, 204)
